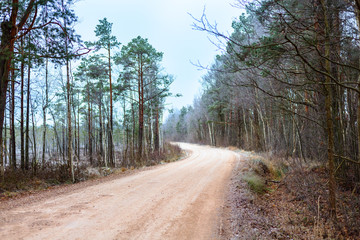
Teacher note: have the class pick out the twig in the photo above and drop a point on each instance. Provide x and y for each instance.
(347, 159)
(272, 181)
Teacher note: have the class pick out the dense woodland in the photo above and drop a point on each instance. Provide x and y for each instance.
(287, 82)
(65, 103)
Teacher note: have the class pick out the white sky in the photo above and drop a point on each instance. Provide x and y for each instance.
(167, 26)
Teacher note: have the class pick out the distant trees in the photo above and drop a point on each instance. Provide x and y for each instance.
(286, 82)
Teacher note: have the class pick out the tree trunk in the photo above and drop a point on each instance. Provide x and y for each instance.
(156, 131)
(46, 97)
(69, 140)
(4, 142)
(34, 160)
(104, 141)
(210, 133)
(76, 143)
(239, 129)
(27, 138)
(101, 133)
(12, 132)
(111, 142)
(57, 136)
(245, 127)
(8, 32)
(141, 109)
(90, 129)
(68, 96)
(3, 155)
(78, 128)
(125, 135)
(329, 118)
(22, 69)
(256, 126)
(44, 112)
(358, 86)
(133, 133)
(2, 168)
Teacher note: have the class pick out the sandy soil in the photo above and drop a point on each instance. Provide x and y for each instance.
(181, 200)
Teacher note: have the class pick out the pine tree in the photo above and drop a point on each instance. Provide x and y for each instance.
(107, 42)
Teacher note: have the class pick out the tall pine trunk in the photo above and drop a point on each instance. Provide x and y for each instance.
(89, 127)
(34, 159)
(22, 140)
(12, 116)
(329, 117)
(358, 95)
(141, 109)
(27, 137)
(8, 33)
(156, 132)
(69, 124)
(44, 112)
(111, 141)
(68, 99)
(101, 133)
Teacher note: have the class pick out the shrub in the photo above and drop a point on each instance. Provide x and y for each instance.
(255, 182)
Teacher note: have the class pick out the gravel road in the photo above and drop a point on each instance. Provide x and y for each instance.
(180, 200)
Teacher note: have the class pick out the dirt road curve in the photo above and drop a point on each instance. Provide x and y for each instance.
(180, 200)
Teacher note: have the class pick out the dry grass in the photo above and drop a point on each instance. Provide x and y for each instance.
(255, 182)
(260, 171)
(18, 182)
(294, 204)
(232, 148)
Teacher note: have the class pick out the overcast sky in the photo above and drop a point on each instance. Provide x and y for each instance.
(167, 25)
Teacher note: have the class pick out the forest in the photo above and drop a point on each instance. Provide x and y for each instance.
(287, 83)
(67, 104)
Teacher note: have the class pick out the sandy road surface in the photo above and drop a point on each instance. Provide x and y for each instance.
(180, 200)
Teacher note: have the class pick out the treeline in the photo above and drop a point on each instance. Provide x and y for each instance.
(68, 104)
(287, 82)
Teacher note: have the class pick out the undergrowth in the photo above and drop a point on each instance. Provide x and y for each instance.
(261, 171)
(255, 182)
(17, 182)
(293, 198)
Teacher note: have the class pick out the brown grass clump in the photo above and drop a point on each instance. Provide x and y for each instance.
(232, 148)
(260, 171)
(173, 152)
(255, 182)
